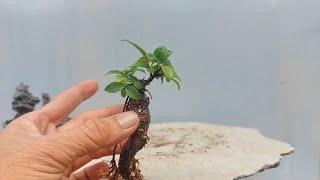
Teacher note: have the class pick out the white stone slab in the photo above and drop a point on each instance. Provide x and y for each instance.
(188, 151)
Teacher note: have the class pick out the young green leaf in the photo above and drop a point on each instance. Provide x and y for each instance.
(168, 71)
(141, 62)
(114, 87)
(120, 78)
(177, 77)
(130, 70)
(123, 92)
(114, 72)
(132, 79)
(142, 51)
(177, 83)
(133, 68)
(152, 57)
(138, 84)
(152, 69)
(170, 68)
(133, 92)
(162, 53)
(156, 63)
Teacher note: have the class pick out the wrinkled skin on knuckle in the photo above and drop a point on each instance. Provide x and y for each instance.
(98, 131)
(50, 154)
(62, 149)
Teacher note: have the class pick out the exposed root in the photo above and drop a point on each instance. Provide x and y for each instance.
(127, 163)
(128, 166)
(113, 171)
(135, 171)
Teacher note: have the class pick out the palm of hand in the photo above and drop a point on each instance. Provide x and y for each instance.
(32, 147)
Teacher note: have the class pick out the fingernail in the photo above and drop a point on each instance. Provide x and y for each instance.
(128, 119)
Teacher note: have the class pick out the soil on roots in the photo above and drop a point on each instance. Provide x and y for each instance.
(128, 166)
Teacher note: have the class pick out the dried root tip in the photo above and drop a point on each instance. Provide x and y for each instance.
(113, 171)
(135, 171)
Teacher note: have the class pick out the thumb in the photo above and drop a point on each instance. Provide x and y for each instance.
(95, 134)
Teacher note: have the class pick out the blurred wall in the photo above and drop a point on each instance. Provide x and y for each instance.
(245, 63)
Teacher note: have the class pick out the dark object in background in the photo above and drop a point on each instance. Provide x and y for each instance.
(45, 98)
(23, 102)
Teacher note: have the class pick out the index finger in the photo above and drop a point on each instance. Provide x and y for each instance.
(62, 105)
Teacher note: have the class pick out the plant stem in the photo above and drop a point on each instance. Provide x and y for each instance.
(125, 104)
(151, 77)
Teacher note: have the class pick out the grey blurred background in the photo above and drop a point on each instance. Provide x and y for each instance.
(245, 63)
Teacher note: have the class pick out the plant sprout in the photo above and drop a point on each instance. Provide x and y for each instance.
(158, 66)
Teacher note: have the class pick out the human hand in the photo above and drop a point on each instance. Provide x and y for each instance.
(32, 147)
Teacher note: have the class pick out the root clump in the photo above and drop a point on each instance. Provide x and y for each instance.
(128, 166)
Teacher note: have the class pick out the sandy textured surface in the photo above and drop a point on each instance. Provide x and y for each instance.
(187, 151)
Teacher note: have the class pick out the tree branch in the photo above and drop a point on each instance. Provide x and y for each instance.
(151, 78)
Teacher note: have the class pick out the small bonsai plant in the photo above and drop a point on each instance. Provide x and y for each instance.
(127, 83)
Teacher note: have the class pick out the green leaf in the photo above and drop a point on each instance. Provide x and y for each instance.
(160, 72)
(177, 83)
(142, 51)
(132, 79)
(123, 92)
(133, 92)
(114, 72)
(177, 77)
(168, 71)
(120, 78)
(133, 68)
(141, 70)
(138, 84)
(153, 58)
(162, 53)
(152, 69)
(114, 87)
(130, 70)
(141, 62)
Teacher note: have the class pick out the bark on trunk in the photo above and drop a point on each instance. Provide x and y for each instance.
(128, 165)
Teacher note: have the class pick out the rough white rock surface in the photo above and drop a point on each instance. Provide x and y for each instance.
(188, 151)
